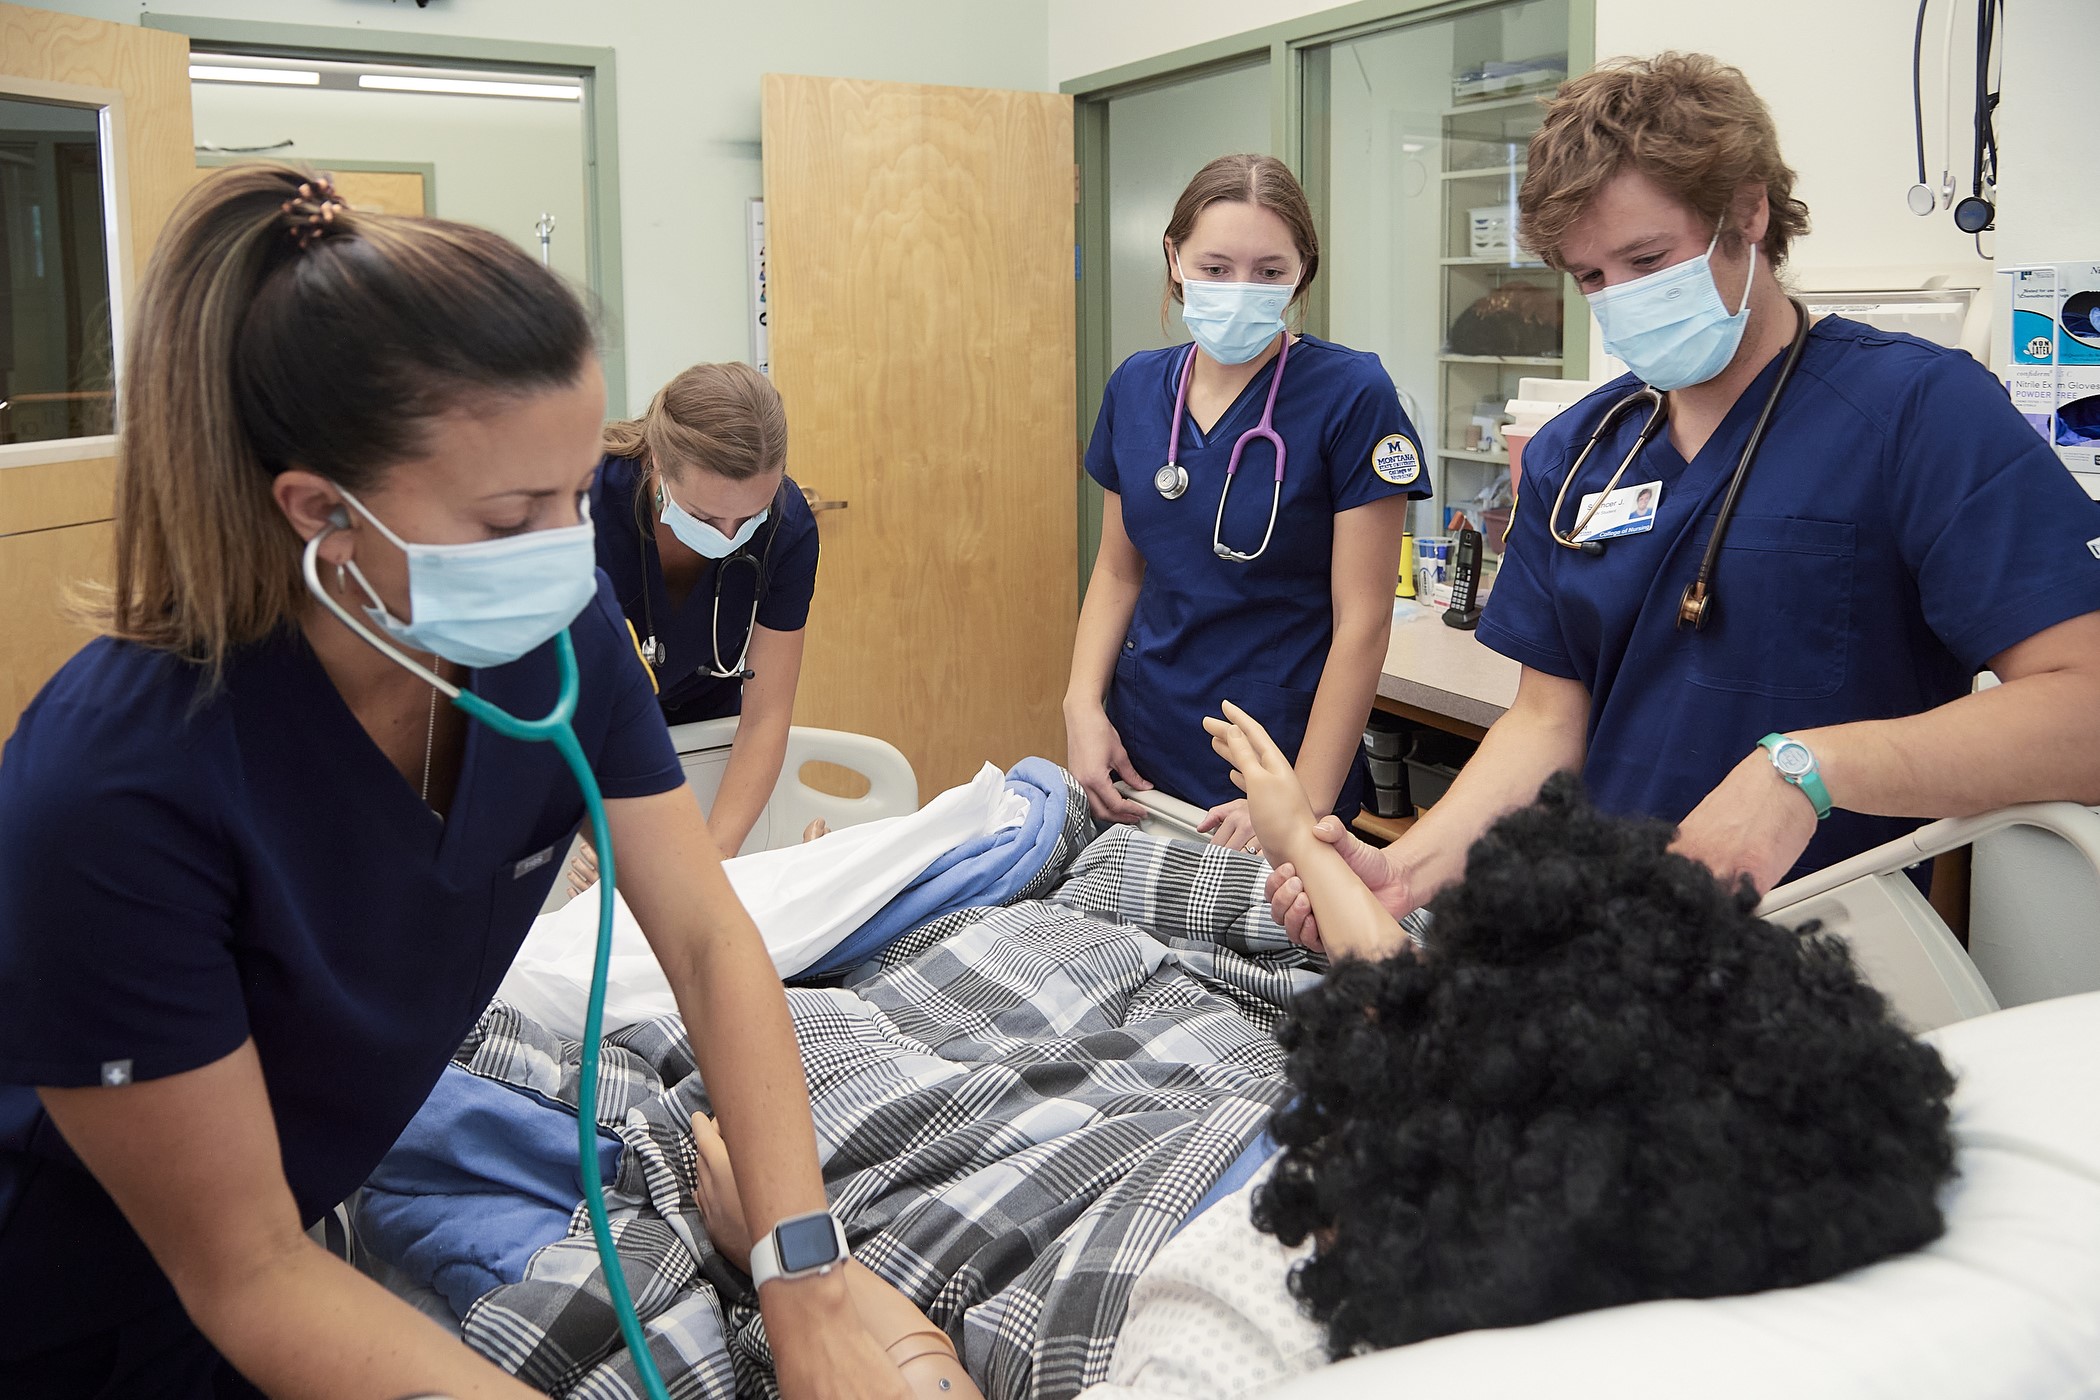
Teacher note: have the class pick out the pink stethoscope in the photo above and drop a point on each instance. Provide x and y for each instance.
(1172, 479)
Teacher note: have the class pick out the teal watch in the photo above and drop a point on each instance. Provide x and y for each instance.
(1797, 766)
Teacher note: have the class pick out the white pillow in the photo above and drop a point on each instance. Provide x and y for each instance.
(2005, 1304)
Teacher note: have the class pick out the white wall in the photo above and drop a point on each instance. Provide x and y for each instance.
(1089, 36)
(1836, 74)
(689, 115)
(501, 161)
(2046, 206)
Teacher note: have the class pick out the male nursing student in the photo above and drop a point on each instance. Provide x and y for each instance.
(257, 879)
(1899, 528)
(1256, 487)
(712, 552)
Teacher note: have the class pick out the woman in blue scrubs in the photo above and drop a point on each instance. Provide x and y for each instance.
(1900, 528)
(257, 881)
(712, 553)
(1275, 595)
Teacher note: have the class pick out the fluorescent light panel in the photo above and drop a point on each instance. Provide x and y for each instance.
(281, 77)
(473, 87)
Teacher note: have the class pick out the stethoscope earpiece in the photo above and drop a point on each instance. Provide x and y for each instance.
(1593, 548)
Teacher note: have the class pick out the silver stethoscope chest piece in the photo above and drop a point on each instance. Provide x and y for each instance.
(1172, 479)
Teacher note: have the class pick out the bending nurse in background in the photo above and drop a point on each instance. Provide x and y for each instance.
(712, 552)
(1901, 529)
(1277, 596)
(257, 882)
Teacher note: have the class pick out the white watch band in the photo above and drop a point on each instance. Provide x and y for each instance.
(765, 1252)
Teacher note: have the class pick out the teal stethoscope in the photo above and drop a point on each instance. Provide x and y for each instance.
(1172, 479)
(552, 728)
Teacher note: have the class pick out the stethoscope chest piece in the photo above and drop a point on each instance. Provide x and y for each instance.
(1171, 481)
(654, 651)
(1695, 608)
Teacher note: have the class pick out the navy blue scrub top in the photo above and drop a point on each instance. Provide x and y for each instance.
(1206, 630)
(1902, 525)
(627, 553)
(176, 879)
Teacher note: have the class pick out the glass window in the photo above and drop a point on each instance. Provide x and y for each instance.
(501, 149)
(1426, 129)
(57, 351)
(1157, 140)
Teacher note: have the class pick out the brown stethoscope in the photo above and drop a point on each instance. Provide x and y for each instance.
(1695, 608)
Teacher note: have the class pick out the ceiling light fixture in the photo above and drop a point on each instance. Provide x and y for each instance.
(473, 87)
(280, 77)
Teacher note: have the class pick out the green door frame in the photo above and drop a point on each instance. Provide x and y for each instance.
(601, 132)
(1298, 132)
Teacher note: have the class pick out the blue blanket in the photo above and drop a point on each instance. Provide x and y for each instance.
(992, 869)
(482, 1178)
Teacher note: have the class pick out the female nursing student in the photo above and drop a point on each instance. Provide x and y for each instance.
(712, 552)
(1899, 528)
(256, 881)
(1256, 489)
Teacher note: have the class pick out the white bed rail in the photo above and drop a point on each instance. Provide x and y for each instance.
(893, 788)
(1165, 815)
(1901, 944)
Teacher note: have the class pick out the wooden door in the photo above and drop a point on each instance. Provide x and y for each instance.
(55, 497)
(920, 283)
(382, 191)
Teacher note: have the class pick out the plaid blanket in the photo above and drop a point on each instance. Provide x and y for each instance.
(1015, 1108)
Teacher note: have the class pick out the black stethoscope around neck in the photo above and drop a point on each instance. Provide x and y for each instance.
(653, 649)
(1695, 608)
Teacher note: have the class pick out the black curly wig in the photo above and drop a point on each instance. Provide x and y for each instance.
(1606, 1083)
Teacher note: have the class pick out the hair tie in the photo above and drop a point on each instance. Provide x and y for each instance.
(312, 211)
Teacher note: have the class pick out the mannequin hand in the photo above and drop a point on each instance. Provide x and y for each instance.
(714, 1191)
(1290, 907)
(1231, 825)
(1275, 801)
(1755, 825)
(1092, 750)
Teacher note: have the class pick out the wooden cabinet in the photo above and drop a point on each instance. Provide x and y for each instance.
(55, 496)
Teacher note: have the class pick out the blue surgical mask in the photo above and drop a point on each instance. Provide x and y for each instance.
(1233, 321)
(702, 538)
(492, 601)
(1671, 327)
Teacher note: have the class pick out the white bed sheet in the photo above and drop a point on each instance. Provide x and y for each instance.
(805, 899)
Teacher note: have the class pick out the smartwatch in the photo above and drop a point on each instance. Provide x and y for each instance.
(798, 1247)
(1796, 765)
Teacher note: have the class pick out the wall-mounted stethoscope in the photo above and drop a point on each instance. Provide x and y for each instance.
(1172, 479)
(1695, 609)
(1975, 211)
(653, 649)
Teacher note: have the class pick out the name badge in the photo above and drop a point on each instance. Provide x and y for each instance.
(1630, 510)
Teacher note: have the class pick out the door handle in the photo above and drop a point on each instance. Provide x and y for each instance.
(817, 504)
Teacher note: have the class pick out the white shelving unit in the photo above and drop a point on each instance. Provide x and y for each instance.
(1483, 155)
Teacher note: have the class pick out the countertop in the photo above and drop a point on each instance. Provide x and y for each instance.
(1445, 672)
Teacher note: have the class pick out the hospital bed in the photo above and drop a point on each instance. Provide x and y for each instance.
(2005, 1305)
(703, 751)
(893, 788)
